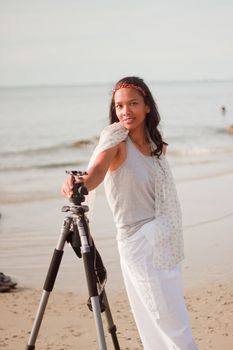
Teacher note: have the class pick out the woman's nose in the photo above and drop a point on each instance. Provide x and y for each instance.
(126, 110)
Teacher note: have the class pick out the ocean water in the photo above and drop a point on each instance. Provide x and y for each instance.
(46, 130)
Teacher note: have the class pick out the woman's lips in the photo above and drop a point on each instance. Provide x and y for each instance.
(128, 120)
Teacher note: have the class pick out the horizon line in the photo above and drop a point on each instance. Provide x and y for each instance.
(79, 84)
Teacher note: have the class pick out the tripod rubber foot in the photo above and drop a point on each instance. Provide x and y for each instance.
(30, 347)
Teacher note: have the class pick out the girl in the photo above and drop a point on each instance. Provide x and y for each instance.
(130, 158)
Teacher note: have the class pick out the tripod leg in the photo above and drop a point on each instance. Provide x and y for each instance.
(91, 283)
(49, 283)
(111, 326)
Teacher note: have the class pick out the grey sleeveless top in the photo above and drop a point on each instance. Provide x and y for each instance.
(141, 190)
(130, 191)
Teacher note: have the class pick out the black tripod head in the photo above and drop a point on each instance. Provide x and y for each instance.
(79, 190)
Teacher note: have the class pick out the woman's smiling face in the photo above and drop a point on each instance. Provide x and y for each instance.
(130, 108)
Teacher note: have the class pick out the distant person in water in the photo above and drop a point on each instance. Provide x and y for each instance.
(223, 110)
(229, 128)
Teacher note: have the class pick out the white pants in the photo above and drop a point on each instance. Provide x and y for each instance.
(155, 296)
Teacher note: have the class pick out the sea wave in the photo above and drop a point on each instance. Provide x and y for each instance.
(199, 151)
(79, 144)
(14, 198)
(82, 143)
(23, 167)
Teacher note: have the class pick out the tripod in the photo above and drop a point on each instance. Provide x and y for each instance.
(75, 230)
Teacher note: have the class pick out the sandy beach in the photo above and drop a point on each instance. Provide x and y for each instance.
(68, 324)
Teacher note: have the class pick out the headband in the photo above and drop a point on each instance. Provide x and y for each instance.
(125, 85)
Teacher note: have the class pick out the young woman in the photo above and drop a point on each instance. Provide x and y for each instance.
(130, 158)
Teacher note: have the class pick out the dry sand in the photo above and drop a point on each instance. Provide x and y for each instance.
(68, 324)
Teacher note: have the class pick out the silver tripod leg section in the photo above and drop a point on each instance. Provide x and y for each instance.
(98, 322)
(64, 233)
(93, 292)
(50, 280)
(38, 318)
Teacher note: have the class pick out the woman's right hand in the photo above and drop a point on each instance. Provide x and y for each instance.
(67, 187)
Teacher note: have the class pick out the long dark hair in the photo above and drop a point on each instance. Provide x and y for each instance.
(152, 118)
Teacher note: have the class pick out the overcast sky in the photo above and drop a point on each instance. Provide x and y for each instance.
(82, 41)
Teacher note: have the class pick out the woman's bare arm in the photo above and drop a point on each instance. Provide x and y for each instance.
(95, 174)
(98, 171)
(164, 149)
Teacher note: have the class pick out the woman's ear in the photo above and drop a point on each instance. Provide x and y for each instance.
(147, 109)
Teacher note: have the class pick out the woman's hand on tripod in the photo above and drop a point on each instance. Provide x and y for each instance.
(94, 176)
(67, 187)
